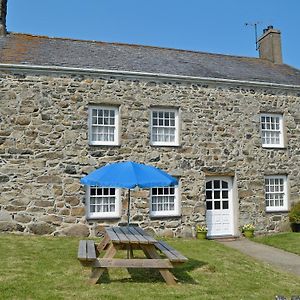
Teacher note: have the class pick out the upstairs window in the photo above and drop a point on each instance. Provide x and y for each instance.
(164, 201)
(276, 193)
(272, 130)
(164, 127)
(103, 203)
(103, 125)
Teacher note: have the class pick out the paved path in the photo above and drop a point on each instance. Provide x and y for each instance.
(286, 261)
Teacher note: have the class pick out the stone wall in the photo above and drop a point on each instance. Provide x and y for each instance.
(44, 149)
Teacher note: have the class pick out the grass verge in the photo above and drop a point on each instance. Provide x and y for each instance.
(35, 267)
(288, 241)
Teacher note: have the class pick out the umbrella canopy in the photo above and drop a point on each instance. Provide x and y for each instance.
(129, 175)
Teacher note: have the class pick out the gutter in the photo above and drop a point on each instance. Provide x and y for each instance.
(143, 75)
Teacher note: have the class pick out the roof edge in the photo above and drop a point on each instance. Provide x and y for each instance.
(143, 75)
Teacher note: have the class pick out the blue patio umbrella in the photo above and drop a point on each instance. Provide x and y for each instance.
(129, 175)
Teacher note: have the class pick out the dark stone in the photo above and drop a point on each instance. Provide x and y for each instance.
(4, 178)
(155, 159)
(41, 228)
(138, 218)
(46, 117)
(70, 169)
(79, 230)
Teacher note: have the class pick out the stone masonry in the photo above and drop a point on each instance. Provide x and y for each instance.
(44, 149)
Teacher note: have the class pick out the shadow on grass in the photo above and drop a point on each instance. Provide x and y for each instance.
(180, 272)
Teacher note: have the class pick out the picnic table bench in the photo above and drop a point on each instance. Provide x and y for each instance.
(128, 238)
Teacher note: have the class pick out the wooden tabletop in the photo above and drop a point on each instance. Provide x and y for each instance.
(129, 235)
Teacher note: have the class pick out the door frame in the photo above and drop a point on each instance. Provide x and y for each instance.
(234, 207)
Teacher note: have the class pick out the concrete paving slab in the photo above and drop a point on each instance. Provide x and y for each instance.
(286, 261)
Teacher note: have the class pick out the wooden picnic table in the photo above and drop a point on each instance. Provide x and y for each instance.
(128, 238)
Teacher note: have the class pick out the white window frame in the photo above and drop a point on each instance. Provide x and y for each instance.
(116, 125)
(281, 132)
(167, 213)
(164, 110)
(283, 207)
(103, 215)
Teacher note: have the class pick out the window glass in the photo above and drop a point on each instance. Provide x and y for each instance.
(272, 130)
(164, 201)
(164, 127)
(276, 193)
(103, 125)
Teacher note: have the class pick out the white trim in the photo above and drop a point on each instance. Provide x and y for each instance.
(116, 125)
(284, 207)
(281, 130)
(218, 214)
(167, 213)
(176, 126)
(144, 75)
(104, 215)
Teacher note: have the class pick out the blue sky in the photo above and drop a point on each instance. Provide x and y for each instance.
(216, 26)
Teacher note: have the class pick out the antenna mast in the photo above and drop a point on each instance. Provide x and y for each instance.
(255, 30)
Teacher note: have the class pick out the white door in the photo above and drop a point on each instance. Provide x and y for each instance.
(219, 206)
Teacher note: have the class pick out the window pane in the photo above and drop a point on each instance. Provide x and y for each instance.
(209, 185)
(225, 205)
(274, 192)
(216, 184)
(163, 127)
(209, 205)
(271, 130)
(217, 204)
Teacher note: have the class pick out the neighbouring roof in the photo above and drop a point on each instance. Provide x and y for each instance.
(45, 51)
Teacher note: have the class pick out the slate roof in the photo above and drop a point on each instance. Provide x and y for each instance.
(45, 51)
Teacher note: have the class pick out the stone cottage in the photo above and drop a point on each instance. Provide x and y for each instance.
(227, 127)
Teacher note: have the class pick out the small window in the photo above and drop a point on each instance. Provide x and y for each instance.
(164, 127)
(272, 130)
(276, 193)
(103, 203)
(164, 201)
(103, 125)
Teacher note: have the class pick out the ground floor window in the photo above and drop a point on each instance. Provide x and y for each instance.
(103, 202)
(164, 201)
(276, 193)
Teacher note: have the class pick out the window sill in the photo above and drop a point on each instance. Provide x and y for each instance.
(274, 147)
(282, 210)
(103, 218)
(154, 217)
(166, 145)
(105, 145)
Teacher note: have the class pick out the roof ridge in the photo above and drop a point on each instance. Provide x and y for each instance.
(130, 45)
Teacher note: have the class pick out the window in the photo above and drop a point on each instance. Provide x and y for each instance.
(272, 130)
(164, 127)
(164, 201)
(103, 203)
(276, 193)
(217, 194)
(103, 125)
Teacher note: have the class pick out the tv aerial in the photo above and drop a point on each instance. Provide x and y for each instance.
(254, 24)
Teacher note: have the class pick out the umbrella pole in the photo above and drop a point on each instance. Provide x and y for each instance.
(128, 210)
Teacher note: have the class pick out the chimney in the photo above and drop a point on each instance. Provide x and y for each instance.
(3, 10)
(270, 45)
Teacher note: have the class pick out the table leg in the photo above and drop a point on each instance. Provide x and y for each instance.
(103, 244)
(96, 271)
(150, 252)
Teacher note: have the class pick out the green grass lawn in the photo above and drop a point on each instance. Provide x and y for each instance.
(35, 267)
(288, 241)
